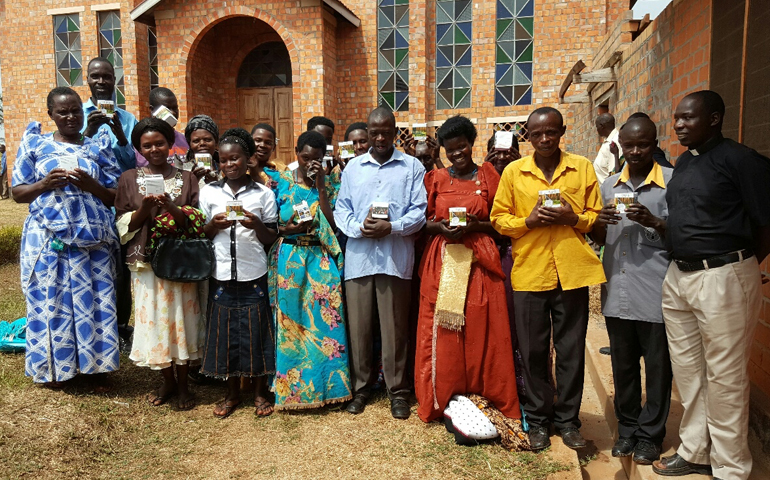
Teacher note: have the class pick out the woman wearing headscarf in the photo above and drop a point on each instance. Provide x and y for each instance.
(202, 134)
(69, 246)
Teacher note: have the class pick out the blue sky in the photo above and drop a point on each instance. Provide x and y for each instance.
(653, 7)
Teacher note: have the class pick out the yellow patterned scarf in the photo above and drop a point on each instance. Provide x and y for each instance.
(453, 287)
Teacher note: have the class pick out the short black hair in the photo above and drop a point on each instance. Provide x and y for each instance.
(637, 115)
(455, 127)
(354, 127)
(240, 137)
(151, 124)
(491, 142)
(58, 91)
(605, 119)
(315, 121)
(263, 126)
(160, 92)
(642, 122)
(102, 60)
(547, 111)
(711, 100)
(312, 139)
(381, 113)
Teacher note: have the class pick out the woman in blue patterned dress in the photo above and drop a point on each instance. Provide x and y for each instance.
(69, 245)
(305, 287)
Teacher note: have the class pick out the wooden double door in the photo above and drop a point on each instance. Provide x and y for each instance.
(271, 105)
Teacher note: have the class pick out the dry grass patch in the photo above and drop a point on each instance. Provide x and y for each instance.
(12, 213)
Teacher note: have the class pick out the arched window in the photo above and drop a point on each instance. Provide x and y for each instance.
(268, 65)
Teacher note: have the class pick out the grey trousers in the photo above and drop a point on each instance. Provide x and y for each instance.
(391, 297)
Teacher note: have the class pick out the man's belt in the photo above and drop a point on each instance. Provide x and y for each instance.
(713, 262)
(302, 242)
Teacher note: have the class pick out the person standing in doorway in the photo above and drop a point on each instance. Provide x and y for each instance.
(609, 153)
(718, 233)
(381, 205)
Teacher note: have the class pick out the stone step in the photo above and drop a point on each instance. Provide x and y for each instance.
(599, 369)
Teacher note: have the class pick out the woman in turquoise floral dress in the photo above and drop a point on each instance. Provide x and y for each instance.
(306, 286)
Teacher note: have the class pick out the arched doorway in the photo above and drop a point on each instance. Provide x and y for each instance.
(265, 94)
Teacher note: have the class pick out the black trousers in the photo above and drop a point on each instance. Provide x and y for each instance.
(631, 340)
(123, 294)
(563, 314)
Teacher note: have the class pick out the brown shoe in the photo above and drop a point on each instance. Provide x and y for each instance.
(676, 466)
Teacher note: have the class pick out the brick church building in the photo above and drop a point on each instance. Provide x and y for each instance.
(284, 61)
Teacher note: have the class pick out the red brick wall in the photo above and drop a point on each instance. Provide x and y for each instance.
(669, 59)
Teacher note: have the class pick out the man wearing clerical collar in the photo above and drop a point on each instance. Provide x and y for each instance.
(718, 232)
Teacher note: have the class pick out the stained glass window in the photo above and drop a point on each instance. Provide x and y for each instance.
(66, 39)
(453, 53)
(152, 44)
(513, 71)
(393, 55)
(268, 65)
(111, 48)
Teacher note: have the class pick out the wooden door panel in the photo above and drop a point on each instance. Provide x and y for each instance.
(284, 124)
(274, 107)
(255, 105)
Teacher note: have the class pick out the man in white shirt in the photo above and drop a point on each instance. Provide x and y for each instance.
(606, 159)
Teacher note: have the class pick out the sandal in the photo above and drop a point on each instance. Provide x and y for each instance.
(226, 408)
(156, 399)
(187, 404)
(263, 405)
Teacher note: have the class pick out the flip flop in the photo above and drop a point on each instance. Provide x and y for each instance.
(227, 407)
(263, 404)
(156, 399)
(187, 405)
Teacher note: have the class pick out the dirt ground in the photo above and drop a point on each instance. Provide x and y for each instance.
(76, 433)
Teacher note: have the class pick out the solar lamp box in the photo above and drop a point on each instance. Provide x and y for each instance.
(234, 210)
(163, 113)
(330, 150)
(188, 166)
(420, 131)
(203, 160)
(106, 106)
(503, 140)
(293, 166)
(380, 210)
(346, 150)
(458, 217)
(327, 161)
(550, 198)
(68, 162)
(624, 200)
(154, 185)
(303, 212)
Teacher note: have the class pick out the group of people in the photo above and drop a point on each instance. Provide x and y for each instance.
(339, 269)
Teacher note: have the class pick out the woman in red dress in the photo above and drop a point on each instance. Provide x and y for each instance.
(463, 341)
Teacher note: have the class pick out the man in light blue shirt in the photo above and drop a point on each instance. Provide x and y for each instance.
(379, 258)
(101, 81)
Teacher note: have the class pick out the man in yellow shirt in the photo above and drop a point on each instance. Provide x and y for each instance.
(546, 203)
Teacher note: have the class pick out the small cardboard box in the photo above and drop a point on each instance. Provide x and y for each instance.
(293, 165)
(420, 131)
(346, 150)
(154, 185)
(303, 212)
(550, 198)
(380, 210)
(458, 217)
(203, 160)
(68, 162)
(327, 162)
(106, 106)
(503, 140)
(234, 210)
(624, 200)
(165, 114)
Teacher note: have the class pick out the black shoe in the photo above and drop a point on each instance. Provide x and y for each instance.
(624, 447)
(358, 404)
(605, 351)
(646, 452)
(572, 438)
(399, 408)
(538, 438)
(676, 466)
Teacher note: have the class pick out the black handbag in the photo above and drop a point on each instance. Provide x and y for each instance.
(178, 260)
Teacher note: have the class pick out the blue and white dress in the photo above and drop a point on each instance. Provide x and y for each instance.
(71, 316)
